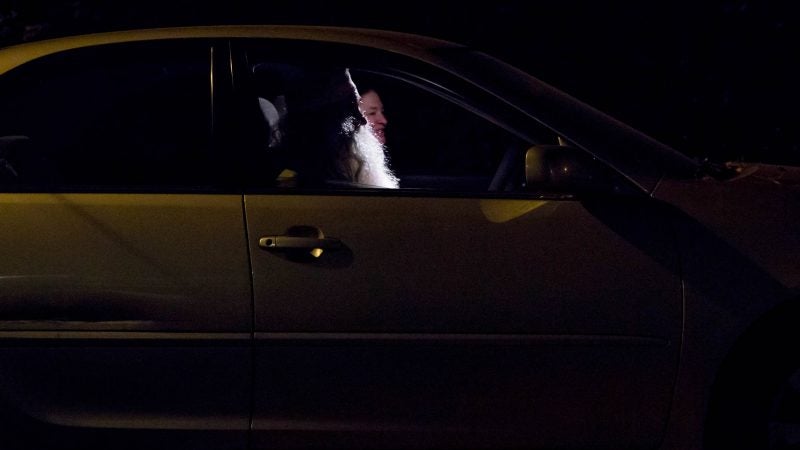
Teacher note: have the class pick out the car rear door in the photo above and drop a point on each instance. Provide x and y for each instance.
(444, 314)
(125, 296)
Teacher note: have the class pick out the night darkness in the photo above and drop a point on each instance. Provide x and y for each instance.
(714, 80)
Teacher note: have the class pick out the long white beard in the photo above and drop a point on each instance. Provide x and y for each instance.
(368, 150)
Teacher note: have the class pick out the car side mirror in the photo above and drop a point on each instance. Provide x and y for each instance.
(565, 168)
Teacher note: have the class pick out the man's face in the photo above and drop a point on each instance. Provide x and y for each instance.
(372, 109)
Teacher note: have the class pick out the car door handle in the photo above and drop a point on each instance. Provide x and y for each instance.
(298, 243)
(302, 243)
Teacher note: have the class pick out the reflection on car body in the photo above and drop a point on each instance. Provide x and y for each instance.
(544, 277)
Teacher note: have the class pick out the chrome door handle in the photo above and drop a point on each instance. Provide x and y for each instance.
(298, 243)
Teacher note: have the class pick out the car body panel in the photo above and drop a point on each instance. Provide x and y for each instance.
(175, 262)
(421, 308)
(738, 241)
(113, 302)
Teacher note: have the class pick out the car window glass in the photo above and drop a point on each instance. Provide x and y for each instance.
(433, 141)
(125, 115)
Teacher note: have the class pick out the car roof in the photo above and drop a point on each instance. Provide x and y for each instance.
(408, 44)
(640, 158)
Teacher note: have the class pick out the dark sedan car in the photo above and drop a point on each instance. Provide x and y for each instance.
(204, 247)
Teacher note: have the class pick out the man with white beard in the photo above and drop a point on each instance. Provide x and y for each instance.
(331, 140)
(368, 156)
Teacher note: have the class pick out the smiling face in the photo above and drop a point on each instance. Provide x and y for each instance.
(372, 108)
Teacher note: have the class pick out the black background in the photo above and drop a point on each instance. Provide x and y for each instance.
(714, 80)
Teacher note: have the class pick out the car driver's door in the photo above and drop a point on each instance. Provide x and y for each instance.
(447, 315)
(444, 320)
